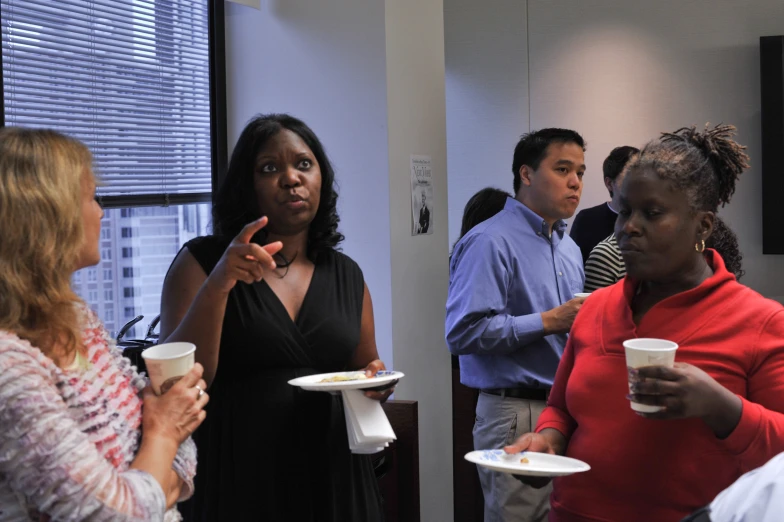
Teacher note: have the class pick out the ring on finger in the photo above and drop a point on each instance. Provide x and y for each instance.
(201, 392)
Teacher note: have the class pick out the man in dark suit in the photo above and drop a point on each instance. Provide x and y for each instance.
(595, 224)
(424, 216)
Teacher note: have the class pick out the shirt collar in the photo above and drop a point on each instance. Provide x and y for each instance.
(536, 222)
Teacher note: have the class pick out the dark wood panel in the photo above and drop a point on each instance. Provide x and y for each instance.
(397, 467)
(468, 499)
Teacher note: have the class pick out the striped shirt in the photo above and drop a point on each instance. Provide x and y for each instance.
(68, 436)
(605, 265)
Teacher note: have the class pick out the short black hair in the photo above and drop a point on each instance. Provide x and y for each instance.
(614, 163)
(235, 202)
(532, 148)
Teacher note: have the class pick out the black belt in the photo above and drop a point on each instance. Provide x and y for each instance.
(531, 394)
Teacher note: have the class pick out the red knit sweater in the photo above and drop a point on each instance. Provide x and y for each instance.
(654, 470)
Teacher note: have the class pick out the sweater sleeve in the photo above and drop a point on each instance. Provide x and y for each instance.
(760, 433)
(556, 415)
(50, 462)
(185, 461)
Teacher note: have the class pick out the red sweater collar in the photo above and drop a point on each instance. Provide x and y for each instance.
(675, 317)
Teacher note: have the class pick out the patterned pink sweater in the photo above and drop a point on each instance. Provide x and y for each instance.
(68, 437)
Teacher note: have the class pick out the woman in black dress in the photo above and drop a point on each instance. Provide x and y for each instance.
(267, 298)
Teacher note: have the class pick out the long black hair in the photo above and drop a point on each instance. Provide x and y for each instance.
(236, 204)
(482, 206)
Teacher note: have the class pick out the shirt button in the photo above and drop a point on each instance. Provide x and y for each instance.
(560, 274)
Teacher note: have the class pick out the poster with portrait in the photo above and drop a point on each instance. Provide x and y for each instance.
(421, 195)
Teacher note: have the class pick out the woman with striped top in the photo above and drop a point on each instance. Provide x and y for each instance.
(81, 437)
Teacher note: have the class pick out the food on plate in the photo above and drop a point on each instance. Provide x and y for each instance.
(524, 460)
(345, 377)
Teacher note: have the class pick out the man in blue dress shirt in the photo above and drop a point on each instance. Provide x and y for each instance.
(511, 304)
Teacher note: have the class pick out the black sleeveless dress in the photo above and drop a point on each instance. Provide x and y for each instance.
(269, 451)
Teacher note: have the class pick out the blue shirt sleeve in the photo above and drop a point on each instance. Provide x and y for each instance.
(476, 318)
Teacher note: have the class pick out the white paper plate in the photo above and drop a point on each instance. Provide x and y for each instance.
(313, 382)
(538, 465)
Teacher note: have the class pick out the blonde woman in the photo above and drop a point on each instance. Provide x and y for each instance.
(81, 437)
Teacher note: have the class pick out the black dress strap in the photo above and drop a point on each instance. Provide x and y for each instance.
(207, 250)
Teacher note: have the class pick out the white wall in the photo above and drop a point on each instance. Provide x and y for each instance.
(325, 65)
(486, 96)
(620, 72)
(417, 125)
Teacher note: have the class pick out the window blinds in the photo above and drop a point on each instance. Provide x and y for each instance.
(130, 78)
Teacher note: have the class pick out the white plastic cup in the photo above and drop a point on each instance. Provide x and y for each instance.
(167, 363)
(648, 352)
(582, 294)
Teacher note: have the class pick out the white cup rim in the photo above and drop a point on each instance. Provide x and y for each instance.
(146, 355)
(670, 345)
(582, 294)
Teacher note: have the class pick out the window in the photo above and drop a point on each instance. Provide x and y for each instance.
(132, 292)
(91, 274)
(128, 271)
(130, 79)
(128, 232)
(159, 250)
(93, 296)
(141, 83)
(130, 252)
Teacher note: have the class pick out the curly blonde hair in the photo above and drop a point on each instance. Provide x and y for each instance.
(41, 176)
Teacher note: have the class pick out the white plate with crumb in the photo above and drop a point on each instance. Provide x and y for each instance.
(340, 381)
(527, 463)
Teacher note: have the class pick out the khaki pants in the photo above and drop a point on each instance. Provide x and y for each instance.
(499, 421)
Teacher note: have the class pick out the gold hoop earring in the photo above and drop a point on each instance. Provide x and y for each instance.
(700, 247)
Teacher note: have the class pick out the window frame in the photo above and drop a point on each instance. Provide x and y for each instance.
(218, 120)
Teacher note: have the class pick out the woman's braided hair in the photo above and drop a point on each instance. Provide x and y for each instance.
(705, 164)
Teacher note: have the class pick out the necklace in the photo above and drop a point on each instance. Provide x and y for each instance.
(282, 263)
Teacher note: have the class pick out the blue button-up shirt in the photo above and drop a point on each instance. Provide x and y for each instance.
(504, 273)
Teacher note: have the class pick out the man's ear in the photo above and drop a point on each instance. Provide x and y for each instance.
(526, 173)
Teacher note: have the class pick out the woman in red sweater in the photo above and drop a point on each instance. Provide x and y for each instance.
(723, 400)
